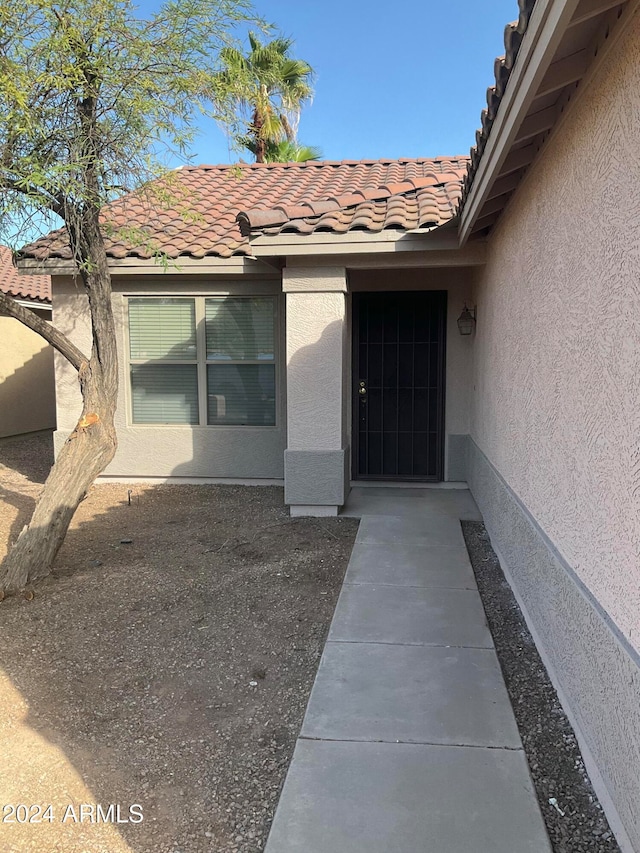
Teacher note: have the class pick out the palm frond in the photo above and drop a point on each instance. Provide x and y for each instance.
(282, 45)
(254, 42)
(290, 152)
(267, 87)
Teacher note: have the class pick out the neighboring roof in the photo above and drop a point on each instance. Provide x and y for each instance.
(32, 287)
(194, 211)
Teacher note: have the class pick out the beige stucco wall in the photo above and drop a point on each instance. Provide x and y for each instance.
(556, 416)
(318, 389)
(316, 350)
(27, 391)
(314, 357)
(168, 451)
(557, 350)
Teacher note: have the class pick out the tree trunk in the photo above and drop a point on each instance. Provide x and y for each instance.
(92, 444)
(255, 130)
(86, 453)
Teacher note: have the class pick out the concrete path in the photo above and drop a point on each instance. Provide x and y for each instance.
(409, 743)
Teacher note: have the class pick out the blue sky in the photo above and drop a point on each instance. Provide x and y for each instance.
(404, 79)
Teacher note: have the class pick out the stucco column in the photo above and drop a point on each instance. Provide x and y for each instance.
(316, 461)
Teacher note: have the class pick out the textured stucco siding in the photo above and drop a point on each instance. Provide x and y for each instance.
(167, 451)
(315, 348)
(598, 675)
(27, 390)
(316, 478)
(556, 412)
(316, 460)
(557, 350)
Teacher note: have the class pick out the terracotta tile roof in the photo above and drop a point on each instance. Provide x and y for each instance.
(513, 35)
(419, 202)
(195, 211)
(36, 287)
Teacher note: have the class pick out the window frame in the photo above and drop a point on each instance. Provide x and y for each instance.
(201, 362)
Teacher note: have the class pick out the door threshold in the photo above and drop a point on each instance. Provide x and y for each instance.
(404, 484)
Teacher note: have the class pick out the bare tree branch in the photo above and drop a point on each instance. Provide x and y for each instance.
(52, 335)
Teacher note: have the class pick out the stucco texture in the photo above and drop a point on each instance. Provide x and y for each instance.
(27, 391)
(316, 334)
(316, 460)
(598, 677)
(557, 348)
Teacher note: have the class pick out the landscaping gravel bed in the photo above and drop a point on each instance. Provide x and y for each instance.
(574, 818)
(166, 663)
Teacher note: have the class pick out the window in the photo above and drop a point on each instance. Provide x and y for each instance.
(241, 380)
(224, 376)
(164, 367)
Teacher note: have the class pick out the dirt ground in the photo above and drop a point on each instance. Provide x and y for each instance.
(166, 664)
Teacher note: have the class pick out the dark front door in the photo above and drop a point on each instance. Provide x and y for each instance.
(398, 404)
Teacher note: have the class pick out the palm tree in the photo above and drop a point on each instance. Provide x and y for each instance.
(286, 152)
(268, 88)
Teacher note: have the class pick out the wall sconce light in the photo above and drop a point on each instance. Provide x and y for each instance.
(467, 321)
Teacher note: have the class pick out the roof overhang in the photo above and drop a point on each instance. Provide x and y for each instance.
(474, 254)
(553, 50)
(355, 242)
(434, 248)
(564, 43)
(238, 265)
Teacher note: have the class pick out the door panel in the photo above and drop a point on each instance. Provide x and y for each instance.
(398, 384)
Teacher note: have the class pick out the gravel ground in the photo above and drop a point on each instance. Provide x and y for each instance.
(553, 753)
(166, 663)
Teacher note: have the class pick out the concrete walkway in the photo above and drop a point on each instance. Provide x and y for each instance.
(409, 743)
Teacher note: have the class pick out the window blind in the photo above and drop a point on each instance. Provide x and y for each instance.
(239, 360)
(162, 329)
(240, 329)
(241, 394)
(164, 393)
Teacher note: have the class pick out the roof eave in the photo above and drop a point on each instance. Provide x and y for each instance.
(547, 24)
(524, 122)
(355, 242)
(213, 265)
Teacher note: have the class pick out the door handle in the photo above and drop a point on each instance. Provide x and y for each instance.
(362, 391)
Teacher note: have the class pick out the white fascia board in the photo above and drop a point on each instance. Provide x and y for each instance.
(547, 25)
(27, 303)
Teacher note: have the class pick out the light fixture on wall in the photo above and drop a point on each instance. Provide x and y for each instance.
(467, 321)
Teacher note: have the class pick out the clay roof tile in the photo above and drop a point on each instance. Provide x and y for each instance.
(35, 288)
(225, 205)
(503, 66)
